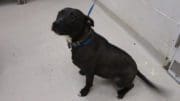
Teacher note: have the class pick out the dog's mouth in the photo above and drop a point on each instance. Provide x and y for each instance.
(59, 33)
(56, 30)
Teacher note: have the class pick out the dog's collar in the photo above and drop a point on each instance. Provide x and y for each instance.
(80, 43)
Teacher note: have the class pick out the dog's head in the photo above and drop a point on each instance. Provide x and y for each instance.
(71, 22)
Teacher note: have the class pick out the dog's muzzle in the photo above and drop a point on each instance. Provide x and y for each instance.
(54, 26)
(58, 28)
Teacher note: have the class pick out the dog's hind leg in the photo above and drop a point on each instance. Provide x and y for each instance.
(122, 92)
(123, 87)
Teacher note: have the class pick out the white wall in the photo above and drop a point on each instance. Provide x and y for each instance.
(154, 21)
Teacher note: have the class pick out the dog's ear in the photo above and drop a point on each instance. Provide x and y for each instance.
(89, 21)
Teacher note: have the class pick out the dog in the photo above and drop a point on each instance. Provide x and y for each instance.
(94, 55)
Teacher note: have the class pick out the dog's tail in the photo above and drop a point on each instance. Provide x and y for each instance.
(149, 83)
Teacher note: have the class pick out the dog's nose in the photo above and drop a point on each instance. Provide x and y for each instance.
(55, 23)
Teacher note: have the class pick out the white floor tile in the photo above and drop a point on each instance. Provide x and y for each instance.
(35, 64)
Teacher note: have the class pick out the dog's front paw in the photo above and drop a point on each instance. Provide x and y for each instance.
(120, 96)
(81, 72)
(84, 92)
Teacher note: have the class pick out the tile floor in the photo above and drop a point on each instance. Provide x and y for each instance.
(35, 64)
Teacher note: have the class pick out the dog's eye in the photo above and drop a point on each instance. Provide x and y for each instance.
(62, 12)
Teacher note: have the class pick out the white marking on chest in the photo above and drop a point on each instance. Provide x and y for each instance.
(68, 39)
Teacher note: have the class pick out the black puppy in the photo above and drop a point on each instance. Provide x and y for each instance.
(94, 55)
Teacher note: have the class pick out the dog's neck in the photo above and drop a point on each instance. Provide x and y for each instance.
(81, 40)
(87, 31)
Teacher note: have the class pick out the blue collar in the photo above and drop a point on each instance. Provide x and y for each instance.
(81, 43)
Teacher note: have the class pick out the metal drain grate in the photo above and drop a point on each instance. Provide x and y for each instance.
(174, 71)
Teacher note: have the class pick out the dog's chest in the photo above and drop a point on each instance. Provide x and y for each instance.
(82, 58)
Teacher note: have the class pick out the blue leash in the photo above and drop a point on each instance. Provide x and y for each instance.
(91, 8)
